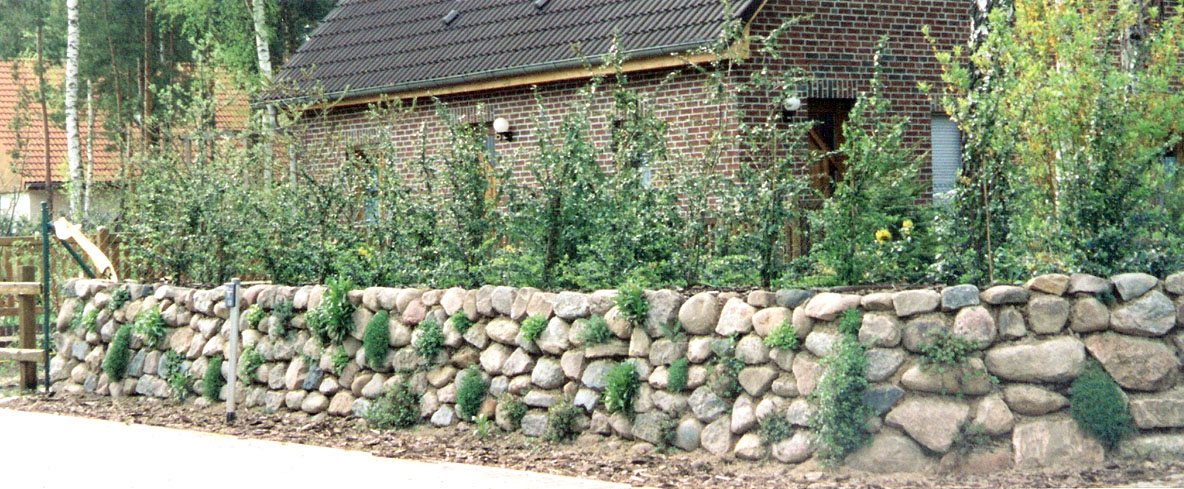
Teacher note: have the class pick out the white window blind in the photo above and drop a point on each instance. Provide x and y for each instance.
(946, 152)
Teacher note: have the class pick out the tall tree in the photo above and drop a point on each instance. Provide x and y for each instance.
(263, 54)
(41, 89)
(73, 143)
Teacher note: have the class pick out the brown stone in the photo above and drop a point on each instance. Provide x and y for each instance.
(1135, 363)
(1054, 443)
(932, 422)
(1053, 283)
(1088, 314)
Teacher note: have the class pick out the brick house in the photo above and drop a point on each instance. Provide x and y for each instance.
(487, 58)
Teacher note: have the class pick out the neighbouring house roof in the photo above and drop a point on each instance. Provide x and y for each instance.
(369, 47)
(22, 144)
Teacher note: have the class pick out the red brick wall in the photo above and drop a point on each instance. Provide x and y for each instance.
(835, 44)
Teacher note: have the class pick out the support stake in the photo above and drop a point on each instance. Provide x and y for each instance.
(45, 286)
(232, 303)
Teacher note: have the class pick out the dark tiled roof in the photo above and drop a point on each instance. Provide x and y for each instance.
(382, 46)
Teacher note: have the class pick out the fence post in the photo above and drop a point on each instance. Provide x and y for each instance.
(28, 332)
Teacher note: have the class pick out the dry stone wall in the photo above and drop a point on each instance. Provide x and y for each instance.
(1034, 339)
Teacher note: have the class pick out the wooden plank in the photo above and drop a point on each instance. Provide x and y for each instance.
(28, 329)
(27, 356)
(20, 288)
(7, 340)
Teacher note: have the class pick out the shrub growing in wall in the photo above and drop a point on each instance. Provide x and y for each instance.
(561, 422)
(631, 303)
(620, 388)
(783, 337)
(596, 331)
(212, 381)
(1097, 404)
(842, 414)
(470, 392)
(376, 340)
(249, 362)
(430, 340)
(532, 327)
(676, 375)
(332, 319)
(461, 322)
(115, 362)
(119, 297)
(398, 407)
(150, 327)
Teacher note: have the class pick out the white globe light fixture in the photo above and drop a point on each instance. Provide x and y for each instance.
(793, 103)
(501, 127)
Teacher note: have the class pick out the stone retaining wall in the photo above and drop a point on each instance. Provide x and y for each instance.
(1035, 340)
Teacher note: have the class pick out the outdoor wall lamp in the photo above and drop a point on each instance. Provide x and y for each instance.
(501, 127)
(793, 103)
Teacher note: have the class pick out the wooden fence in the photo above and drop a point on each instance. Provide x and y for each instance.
(18, 251)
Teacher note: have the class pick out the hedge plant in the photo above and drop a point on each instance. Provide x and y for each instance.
(1097, 405)
(376, 340)
(115, 362)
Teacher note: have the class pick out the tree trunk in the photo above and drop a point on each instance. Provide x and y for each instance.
(263, 54)
(40, 69)
(73, 143)
(90, 152)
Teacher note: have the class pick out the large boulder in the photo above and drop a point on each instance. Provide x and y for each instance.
(716, 438)
(1133, 285)
(975, 324)
(1005, 294)
(959, 296)
(888, 453)
(1054, 443)
(1055, 360)
(1164, 410)
(1083, 283)
(993, 416)
(1151, 315)
(1032, 400)
(881, 329)
(911, 302)
(699, 314)
(736, 318)
(1053, 283)
(1047, 314)
(1089, 314)
(1135, 363)
(932, 422)
(828, 305)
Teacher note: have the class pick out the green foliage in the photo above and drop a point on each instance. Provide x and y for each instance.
(470, 393)
(667, 433)
(376, 340)
(332, 320)
(119, 297)
(842, 414)
(944, 350)
(783, 337)
(340, 360)
(484, 427)
(212, 381)
(970, 437)
(398, 407)
(248, 364)
(253, 315)
(676, 375)
(774, 428)
(620, 388)
(118, 353)
(561, 422)
(1098, 406)
(631, 304)
(281, 314)
(461, 322)
(430, 340)
(724, 379)
(532, 327)
(85, 322)
(172, 369)
(850, 321)
(873, 228)
(673, 331)
(595, 331)
(515, 410)
(150, 327)
(731, 271)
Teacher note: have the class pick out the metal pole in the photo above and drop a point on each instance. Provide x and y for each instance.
(232, 302)
(45, 286)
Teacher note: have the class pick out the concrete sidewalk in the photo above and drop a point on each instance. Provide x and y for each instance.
(44, 450)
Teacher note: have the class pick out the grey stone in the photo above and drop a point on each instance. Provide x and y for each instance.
(796, 449)
(934, 423)
(502, 300)
(612, 348)
(970, 378)
(806, 371)
(881, 398)
(596, 372)
(1151, 315)
(1174, 284)
(1165, 410)
(534, 424)
(572, 363)
(665, 352)
(1088, 315)
(877, 301)
(1053, 283)
(1054, 360)
(1054, 443)
(716, 437)
(706, 405)
(1011, 324)
(736, 318)
(880, 329)
(917, 331)
(639, 344)
(751, 350)
(1004, 294)
(743, 415)
(1032, 400)
(828, 305)
(1047, 314)
(993, 416)
(648, 427)
(1133, 285)
(571, 305)
(314, 403)
(699, 314)
(548, 374)
(503, 331)
(803, 324)
(134, 368)
(587, 399)
(882, 363)
(698, 349)
(494, 357)
(541, 399)
(822, 343)
(670, 403)
(1165, 448)
(664, 309)
(756, 380)
(687, 434)
(1087, 284)
(912, 302)
(975, 324)
(767, 319)
(791, 298)
(312, 380)
(1135, 363)
(749, 447)
(799, 412)
(890, 453)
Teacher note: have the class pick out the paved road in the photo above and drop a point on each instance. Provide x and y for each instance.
(43, 450)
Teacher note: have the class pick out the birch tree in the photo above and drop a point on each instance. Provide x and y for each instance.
(263, 54)
(73, 146)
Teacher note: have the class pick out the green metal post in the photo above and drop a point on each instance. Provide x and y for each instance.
(45, 285)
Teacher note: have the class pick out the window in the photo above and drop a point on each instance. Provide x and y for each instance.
(829, 116)
(640, 159)
(945, 153)
(367, 162)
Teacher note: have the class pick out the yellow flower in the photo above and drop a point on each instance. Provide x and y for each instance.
(363, 252)
(908, 223)
(883, 235)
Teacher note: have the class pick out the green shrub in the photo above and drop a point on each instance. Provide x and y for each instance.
(515, 411)
(376, 340)
(775, 427)
(970, 437)
(673, 331)
(850, 321)
(248, 364)
(631, 304)
(470, 392)
(171, 366)
(430, 340)
(561, 422)
(150, 327)
(842, 414)
(783, 337)
(620, 388)
(332, 320)
(398, 407)
(212, 381)
(532, 327)
(252, 316)
(85, 322)
(281, 314)
(724, 378)
(484, 427)
(944, 350)
(115, 362)
(119, 297)
(676, 375)
(667, 433)
(595, 331)
(340, 360)
(461, 322)
(1097, 404)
